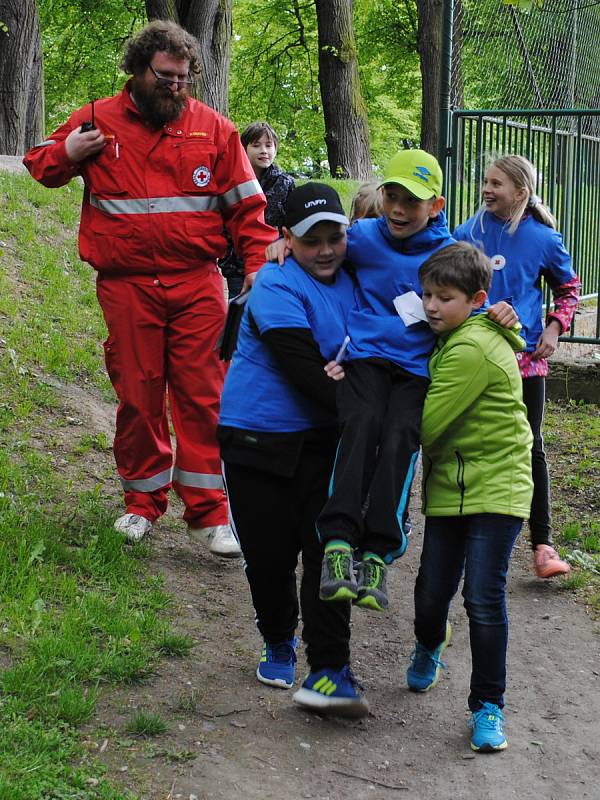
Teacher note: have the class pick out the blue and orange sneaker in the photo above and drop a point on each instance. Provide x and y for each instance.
(487, 732)
(328, 691)
(277, 665)
(426, 665)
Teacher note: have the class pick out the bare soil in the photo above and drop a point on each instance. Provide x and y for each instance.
(232, 738)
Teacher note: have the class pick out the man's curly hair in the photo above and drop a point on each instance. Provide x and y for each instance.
(164, 36)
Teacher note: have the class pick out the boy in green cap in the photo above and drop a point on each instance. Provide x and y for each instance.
(380, 401)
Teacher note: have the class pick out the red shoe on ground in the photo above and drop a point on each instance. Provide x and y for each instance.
(547, 563)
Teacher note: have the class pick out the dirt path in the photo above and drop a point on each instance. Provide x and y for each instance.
(246, 741)
(232, 738)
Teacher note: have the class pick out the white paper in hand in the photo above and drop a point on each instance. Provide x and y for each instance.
(410, 308)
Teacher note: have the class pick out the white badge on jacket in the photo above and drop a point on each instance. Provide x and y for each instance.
(410, 308)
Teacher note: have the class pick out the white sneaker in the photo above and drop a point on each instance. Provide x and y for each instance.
(133, 526)
(220, 540)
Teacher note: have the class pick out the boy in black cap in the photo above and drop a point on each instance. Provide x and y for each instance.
(278, 436)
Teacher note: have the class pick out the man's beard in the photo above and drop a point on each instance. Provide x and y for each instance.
(157, 105)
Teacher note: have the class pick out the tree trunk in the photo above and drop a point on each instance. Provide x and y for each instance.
(430, 55)
(210, 22)
(21, 86)
(346, 125)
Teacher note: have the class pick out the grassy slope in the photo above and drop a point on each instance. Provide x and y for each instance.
(77, 612)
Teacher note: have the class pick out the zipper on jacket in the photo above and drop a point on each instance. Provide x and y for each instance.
(424, 481)
(460, 478)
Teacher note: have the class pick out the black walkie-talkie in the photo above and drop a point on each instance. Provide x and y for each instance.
(89, 126)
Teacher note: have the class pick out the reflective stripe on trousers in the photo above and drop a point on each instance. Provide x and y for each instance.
(165, 343)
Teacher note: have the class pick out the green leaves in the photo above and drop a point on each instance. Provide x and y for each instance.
(524, 5)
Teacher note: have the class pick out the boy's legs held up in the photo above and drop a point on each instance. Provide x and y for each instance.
(380, 407)
(547, 563)
(362, 404)
(483, 543)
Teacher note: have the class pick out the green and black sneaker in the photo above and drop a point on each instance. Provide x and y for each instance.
(372, 589)
(337, 573)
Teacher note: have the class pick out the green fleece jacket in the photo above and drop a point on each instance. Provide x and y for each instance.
(475, 435)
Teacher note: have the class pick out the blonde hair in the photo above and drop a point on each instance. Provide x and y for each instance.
(522, 173)
(366, 202)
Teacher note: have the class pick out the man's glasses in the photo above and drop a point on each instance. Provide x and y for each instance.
(168, 80)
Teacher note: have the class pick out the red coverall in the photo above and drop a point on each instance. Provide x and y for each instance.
(154, 210)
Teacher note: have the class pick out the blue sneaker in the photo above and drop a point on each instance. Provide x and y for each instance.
(329, 692)
(426, 665)
(486, 724)
(277, 665)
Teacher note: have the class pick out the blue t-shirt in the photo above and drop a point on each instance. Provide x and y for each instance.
(520, 260)
(386, 268)
(257, 395)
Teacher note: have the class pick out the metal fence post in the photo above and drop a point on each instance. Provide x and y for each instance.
(446, 78)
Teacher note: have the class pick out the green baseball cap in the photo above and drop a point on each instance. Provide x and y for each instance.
(417, 171)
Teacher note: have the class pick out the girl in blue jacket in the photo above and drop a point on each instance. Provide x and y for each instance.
(518, 233)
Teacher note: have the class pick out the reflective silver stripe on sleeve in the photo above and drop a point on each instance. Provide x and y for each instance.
(241, 191)
(155, 205)
(198, 480)
(158, 481)
(46, 143)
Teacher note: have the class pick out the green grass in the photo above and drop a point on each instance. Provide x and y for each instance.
(345, 189)
(146, 723)
(78, 611)
(188, 701)
(572, 434)
(47, 295)
(174, 644)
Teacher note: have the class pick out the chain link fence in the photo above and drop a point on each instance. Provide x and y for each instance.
(547, 58)
(530, 84)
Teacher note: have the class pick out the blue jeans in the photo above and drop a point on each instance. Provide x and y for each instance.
(480, 545)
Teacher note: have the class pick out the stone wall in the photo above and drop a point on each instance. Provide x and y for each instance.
(574, 380)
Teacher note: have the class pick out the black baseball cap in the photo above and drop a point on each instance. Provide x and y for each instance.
(311, 203)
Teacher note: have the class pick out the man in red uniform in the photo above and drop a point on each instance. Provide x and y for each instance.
(164, 175)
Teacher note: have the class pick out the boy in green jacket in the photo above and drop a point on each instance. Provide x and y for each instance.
(477, 482)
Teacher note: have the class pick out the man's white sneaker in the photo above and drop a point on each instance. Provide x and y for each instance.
(133, 526)
(220, 540)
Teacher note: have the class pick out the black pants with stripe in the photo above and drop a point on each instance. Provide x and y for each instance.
(540, 517)
(274, 519)
(380, 407)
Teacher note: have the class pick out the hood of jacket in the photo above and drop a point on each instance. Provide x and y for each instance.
(480, 317)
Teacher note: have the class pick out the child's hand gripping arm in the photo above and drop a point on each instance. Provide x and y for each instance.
(277, 251)
(503, 314)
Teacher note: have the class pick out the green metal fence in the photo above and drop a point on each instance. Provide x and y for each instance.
(566, 153)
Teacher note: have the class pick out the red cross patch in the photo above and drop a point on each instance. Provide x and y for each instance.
(201, 176)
